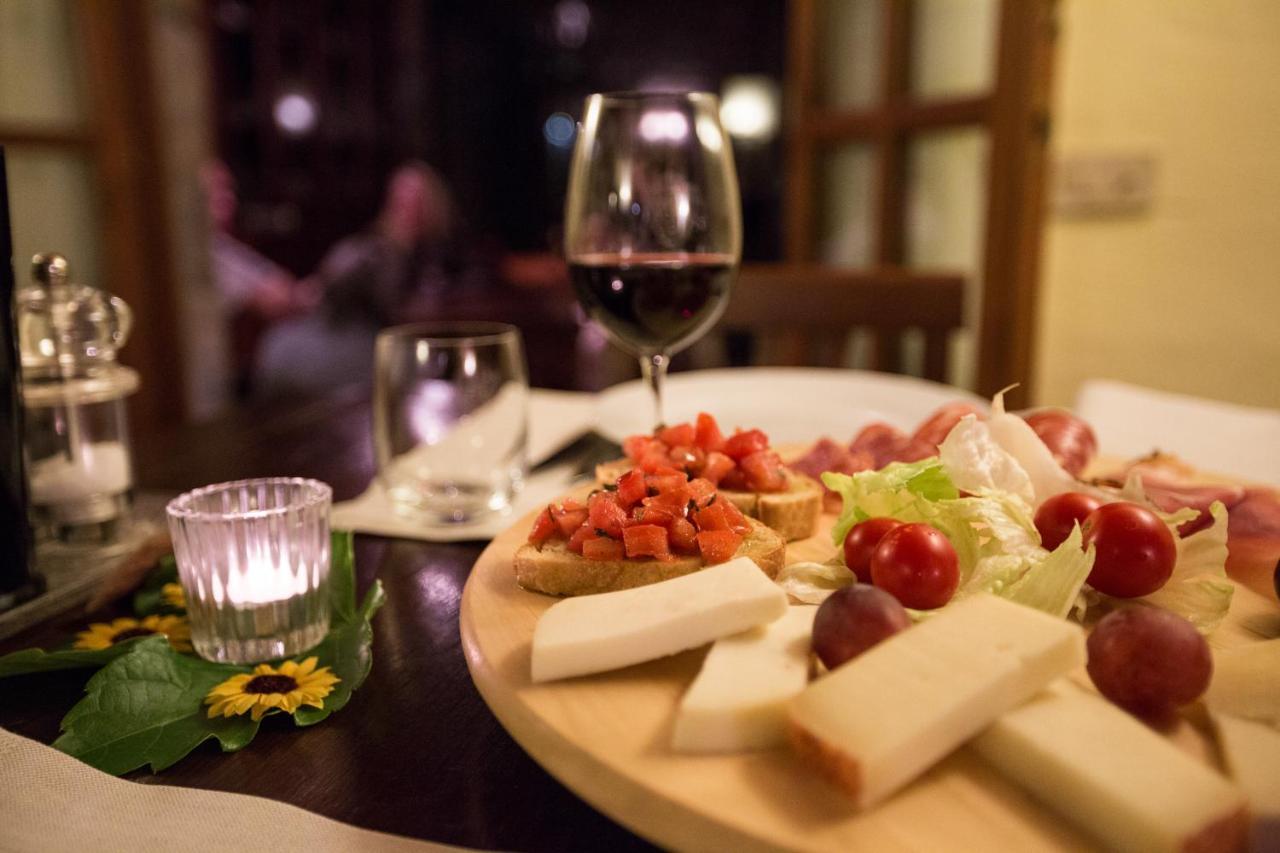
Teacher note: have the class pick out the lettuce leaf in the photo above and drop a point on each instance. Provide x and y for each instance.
(812, 582)
(977, 464)
(1053, 584)
(887, 492)
(1198, 589)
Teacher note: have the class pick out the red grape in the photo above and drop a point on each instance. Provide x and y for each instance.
(917, 565)
(853, 620)
(1135, 550)
(1059, 514)
(861, 541)
(1148, 661)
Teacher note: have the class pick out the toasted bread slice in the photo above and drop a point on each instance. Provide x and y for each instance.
(793, 513)
(556, 570)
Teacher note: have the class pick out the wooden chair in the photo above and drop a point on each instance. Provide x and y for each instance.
(803, 314)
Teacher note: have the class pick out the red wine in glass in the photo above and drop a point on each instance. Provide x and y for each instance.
(653, 302)
(653, 221)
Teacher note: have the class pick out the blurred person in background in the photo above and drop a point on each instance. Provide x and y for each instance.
(254, 292)
(398, 269)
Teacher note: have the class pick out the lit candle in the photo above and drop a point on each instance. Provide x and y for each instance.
(253, 557)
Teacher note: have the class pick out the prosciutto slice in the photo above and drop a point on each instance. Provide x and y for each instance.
(828, 455)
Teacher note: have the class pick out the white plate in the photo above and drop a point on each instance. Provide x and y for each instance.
(793, 405)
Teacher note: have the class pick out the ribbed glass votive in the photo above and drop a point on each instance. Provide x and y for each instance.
(253, 556)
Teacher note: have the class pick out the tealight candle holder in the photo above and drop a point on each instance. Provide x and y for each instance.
(253, 556)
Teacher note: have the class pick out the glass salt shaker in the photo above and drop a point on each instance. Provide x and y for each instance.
(79, 461)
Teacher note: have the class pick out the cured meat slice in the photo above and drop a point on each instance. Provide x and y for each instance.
(881, 442)
(1071, 441)
(937, 426)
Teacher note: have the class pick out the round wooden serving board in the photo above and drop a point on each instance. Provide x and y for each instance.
(607, 737)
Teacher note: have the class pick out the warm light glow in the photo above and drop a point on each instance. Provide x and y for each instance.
(296, 113)
(660, 125)
(572, 23)
(749, 107)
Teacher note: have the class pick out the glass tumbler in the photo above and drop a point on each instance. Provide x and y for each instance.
(450, 419)
(254, 558)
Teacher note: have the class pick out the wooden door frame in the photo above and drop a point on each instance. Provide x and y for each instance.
(1015, 114)
(127, 143)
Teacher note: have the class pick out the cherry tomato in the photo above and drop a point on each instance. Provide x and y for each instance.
(917, 565)
(1059, 514)
(1135, 550)
(861, 541)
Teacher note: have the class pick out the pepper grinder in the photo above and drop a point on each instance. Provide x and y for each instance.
(79, 464)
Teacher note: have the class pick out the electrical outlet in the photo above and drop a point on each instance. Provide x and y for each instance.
(1100, 185)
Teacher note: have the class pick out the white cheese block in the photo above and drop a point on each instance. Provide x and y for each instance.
(880, 720)
(1252, 755)
(595, 633)
(1246, 682)
(739, 699)
(1116, 779)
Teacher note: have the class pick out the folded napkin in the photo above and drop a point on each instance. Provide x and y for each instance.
(374, 513)
(1222, 438)
(556, 418)
(52, 802)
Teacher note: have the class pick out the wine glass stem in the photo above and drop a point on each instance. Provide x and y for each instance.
(654, 369)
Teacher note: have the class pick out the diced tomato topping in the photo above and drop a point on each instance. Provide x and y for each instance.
(717, 546)
(700, 490)
(763, 471)
(684, 536)
(631, 488)
(716, 467)
(604, 513)
(674, 436)
(666, 482)
(603, 548)
(637, 446)
(582, 535)
(646, 540)
(737, 521)
(658, 515)
(671, 495)
(687, 458)
(654, 459)
(543, 528)
(745, 442)
(569, 520)
(713, 517)
(707, 433)
(734, 481)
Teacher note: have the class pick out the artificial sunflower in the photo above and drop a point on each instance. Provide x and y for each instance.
(266, 688)
(102, 635)
(172, 595)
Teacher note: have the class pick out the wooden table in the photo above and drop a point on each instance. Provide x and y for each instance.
(417, 752)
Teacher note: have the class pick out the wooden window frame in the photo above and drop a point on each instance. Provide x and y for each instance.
(1015, 114)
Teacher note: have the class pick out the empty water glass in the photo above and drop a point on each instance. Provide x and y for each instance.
(450, 419)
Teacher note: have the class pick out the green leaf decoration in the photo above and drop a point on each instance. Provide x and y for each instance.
(147, 707)
(38, 660)
(348, 651)
(148, 599)
(146, 704)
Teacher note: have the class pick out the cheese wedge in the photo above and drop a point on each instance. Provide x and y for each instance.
(877, 722)
(595, 633)
(1252, 755)
(1246, 682)
(739, 699)
(1116, 779)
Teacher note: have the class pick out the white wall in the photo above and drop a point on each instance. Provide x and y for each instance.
(1187, 296)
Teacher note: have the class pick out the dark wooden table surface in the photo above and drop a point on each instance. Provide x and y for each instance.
(416, 752)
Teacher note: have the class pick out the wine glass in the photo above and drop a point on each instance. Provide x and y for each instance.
(653, 224)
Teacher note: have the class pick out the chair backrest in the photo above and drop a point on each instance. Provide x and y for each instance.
(803, 314)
